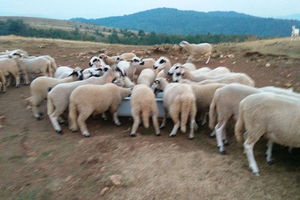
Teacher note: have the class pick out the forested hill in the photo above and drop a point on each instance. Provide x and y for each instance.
(174, 21)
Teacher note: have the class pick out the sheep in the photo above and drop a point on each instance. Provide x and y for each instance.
(35, 65)
(199, 74)
(127, 56)
(111, 61)
(204, 95)
(224, 78)
(295, 32)
(196, 50)
(58, 97)
(178, 99)
(162, 65)
(98, 62)
(146, 77)
(88, 99)
(186, 66)
(52, 61)
(224, 106)
(123, 81)
(10, 67)
(143, 104)
(2, 82)
(64, 71)
(271, 115)
(39, 89)
(138, 65)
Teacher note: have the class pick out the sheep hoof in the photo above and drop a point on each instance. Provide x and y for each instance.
(191, 138)
(118, 124)
(172, 135)
(158, 134)
(38, 118)
(225, 142)
(59, 132)
(212, 135)
(223, 152)
(132, 135)
(270, 162)
(86, 135)
(256, 173)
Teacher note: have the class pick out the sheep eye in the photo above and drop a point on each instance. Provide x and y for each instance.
(178, 74)
(135, 60)
(105, 69)
(162, 61)
(176, 67)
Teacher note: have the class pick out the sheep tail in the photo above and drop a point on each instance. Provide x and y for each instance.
(50, 106)
(212, 113)
(72, 113)
(239, 126)
(145, 118)
(186, 108)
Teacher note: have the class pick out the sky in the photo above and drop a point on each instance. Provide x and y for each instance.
(66, 9)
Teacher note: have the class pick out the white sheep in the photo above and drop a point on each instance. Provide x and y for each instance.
(204, 95)
(9, 67)
(138, 65)
(224, 106)
(58, 97)
(109, 60)
(123, 81)
(179, 99)
(34, 66)
(39, 89)
(186, 66)
(89, 99)
(143, 104)
(271, 115)
(146, 77)
(162, 66)
(295, 32)
(127, 56)
(196, 51)
(199, 74)
(224, 78)
(64, 71)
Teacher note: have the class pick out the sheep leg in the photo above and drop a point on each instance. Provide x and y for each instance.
(250, 156)
(213, 134)
(208, 60)
(104, 117)
(163, 124)
(219, 130)
(116, 119)
(53, 118)
(155, 124)
(174, 113)
(26, 78)
(17, 78)
(224, 137)
(204, 118)
(136, 123)
(82, 125)
(269, 152)
(192, 126)
(174, 130)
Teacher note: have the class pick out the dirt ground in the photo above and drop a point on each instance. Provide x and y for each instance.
(37, 163)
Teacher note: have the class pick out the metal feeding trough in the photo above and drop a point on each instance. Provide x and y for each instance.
(124, 109)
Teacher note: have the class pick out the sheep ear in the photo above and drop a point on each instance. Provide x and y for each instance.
(99, 69)
(74, 73)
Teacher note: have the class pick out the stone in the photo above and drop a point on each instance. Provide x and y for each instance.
(116, 179)
(104, 190)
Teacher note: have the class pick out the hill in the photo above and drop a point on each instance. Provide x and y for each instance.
(174, 21)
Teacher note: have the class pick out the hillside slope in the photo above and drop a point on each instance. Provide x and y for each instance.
(173, 21)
